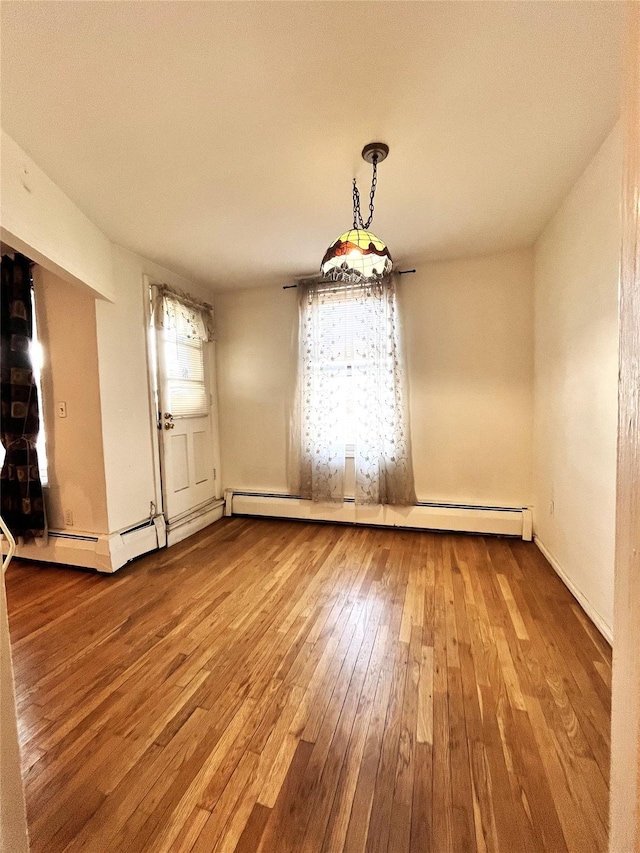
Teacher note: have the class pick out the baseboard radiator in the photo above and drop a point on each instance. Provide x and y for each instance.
(194, 520)
(104, 552)
(108, 552)
(461, 518)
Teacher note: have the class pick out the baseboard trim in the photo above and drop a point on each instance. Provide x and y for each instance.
(580, 597)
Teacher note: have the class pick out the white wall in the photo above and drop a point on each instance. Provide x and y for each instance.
(576, 337)
(39, 220)
(469, 336)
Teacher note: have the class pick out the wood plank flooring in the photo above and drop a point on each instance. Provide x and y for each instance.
(280, 687)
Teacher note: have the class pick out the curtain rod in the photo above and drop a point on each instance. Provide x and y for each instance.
(400, 272)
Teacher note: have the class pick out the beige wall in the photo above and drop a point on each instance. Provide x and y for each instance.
(256, 360)
(576, 332)
(469, 335)
(67, 329)
(470, 361)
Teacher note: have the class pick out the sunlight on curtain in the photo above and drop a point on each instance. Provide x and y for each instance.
(352, 391)
(186, 323)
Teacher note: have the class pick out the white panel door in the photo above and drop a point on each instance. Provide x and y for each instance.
(185, 424)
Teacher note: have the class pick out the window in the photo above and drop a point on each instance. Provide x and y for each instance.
(184, 365)
(183, 325)
(338, 319)
(352, 399)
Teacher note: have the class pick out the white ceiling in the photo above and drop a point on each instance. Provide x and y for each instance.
(220, 139)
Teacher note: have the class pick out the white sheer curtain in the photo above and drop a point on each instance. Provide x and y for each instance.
(351, 394)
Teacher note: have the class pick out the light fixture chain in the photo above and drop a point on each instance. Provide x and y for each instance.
(357, 215)
(374, 183)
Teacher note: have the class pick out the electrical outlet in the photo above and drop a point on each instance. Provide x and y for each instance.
(68, 518)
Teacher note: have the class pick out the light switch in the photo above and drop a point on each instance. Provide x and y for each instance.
(62, 409)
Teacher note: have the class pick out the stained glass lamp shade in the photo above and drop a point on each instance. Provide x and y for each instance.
(356, 256)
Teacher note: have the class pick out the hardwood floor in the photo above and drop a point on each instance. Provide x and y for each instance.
(277, 686)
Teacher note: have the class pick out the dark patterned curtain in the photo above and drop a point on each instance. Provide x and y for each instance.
(22, 504)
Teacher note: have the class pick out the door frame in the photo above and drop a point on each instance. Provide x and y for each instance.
(152, 374)
(212, 510)
(625, 716)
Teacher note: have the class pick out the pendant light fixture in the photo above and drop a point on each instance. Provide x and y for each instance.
(358, 256)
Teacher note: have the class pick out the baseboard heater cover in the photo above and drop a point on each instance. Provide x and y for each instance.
(461, 518)
(136, 541)
(190, 523)
(104, 552)
(108, 552)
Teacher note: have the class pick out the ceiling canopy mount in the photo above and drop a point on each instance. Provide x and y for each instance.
(375, 152)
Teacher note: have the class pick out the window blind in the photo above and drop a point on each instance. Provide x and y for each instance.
(184, 364)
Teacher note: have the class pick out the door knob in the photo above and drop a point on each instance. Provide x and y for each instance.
(168, 425)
